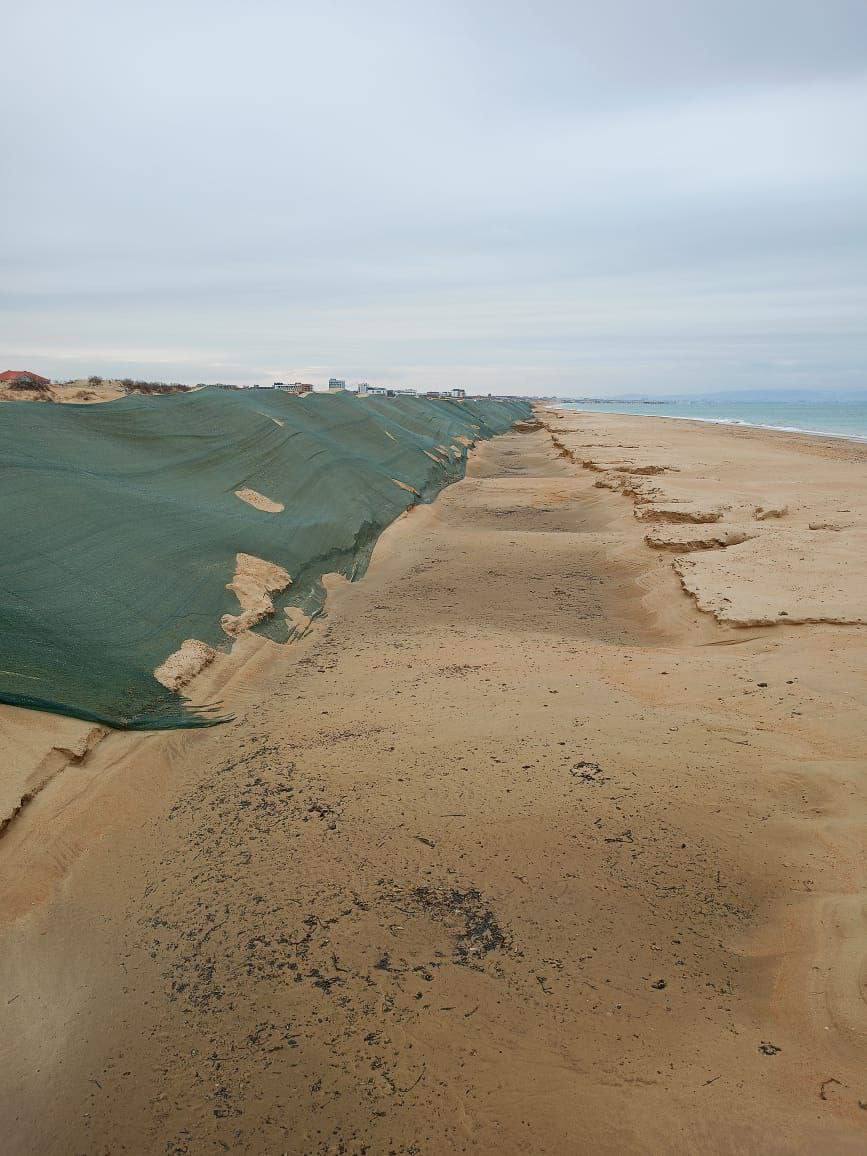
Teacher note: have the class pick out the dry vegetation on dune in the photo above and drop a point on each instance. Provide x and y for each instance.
(85, 389)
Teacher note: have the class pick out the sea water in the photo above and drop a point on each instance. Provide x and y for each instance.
(838, 418)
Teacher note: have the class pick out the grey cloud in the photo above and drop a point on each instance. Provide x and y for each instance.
(644, 192)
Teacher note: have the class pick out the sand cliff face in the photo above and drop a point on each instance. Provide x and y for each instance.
(515, 849)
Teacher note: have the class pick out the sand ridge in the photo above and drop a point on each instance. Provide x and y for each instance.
(36, 749)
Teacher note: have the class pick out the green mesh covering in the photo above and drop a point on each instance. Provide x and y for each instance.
(120, 526)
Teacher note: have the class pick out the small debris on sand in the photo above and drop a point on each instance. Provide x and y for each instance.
(587, 772)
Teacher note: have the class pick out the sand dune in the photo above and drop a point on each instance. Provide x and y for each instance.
(81, 392)
(121, 525)
(516, 849)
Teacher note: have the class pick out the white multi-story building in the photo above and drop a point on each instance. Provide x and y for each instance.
(335, 384)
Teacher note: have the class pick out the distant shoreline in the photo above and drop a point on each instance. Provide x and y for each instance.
(578, 407)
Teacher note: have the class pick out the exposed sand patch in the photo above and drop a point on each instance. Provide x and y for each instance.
(298, 621)
(80, 392)
(184, 664)
(405, 486)
(76, 392)
(259, 501)
(253, 583)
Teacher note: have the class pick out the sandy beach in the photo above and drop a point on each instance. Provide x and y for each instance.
(548, 836)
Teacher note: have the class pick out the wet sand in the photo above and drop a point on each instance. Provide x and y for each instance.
(519, 849)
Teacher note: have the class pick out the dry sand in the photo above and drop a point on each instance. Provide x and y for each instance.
(74, 392)
(80, 392)
(527, 846)
(182, 665)
(254, 581)
(259, 501)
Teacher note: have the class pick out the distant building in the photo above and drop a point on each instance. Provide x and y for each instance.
(457, 393)
(363, 389)
(23, 378)
(294, 387)
(335, 384)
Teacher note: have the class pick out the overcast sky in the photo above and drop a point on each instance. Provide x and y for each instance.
(566, 196)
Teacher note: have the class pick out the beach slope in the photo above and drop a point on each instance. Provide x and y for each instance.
(547, 836)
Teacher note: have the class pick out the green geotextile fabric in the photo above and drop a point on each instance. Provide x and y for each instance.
(119, 525)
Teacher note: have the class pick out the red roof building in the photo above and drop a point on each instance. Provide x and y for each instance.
(22, 375)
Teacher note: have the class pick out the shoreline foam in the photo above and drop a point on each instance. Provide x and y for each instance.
(725, 421)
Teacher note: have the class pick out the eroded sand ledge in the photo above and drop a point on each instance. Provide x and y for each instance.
(596, 856)
(786, 519)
